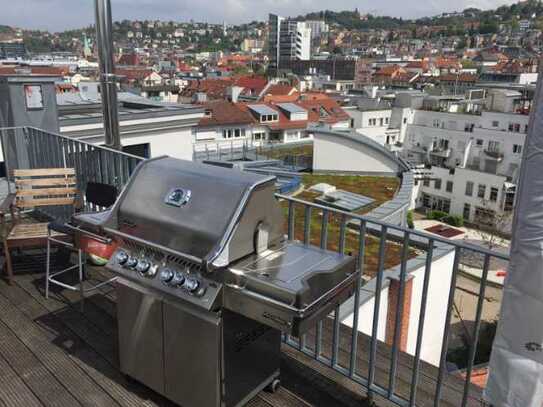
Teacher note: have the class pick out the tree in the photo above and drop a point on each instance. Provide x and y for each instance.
(494, 226)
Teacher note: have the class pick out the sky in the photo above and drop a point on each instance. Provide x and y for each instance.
(56, 15)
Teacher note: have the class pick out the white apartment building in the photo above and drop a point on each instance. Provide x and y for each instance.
(373, 123)
(474, 158)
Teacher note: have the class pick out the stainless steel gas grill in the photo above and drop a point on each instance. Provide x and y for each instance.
(207, 281)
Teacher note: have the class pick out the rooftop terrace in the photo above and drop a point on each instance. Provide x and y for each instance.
(54, 353)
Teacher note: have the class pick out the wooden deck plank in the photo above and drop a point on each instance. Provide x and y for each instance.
(13, 392)
(53, 357)
(102, 368)
(283, 398)
(39, 380)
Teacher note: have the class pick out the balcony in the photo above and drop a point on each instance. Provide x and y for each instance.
(52, 349)
(494, 154)
(441, 152)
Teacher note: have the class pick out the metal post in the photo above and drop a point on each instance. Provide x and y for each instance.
(108, 80)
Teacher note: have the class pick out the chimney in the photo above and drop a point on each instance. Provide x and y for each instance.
(393, 298)
(233, 93)
(108, 80)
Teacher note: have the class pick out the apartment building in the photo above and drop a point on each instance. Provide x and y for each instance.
(474, 157)
(288, 40)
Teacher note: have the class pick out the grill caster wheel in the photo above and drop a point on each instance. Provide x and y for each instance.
(273, 386)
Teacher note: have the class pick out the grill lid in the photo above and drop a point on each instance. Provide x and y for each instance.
(204, 211)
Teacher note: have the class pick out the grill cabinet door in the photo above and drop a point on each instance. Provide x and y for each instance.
(139, 315)
(192, 356)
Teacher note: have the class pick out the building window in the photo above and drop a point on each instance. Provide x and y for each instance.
(426, 200)
(237, 133)
(494, 146)
(467, 210)
(426, 182)
(258, 136)
(493, 194)
(481, 190)
(517, 149)
(469, 188)
(437, 184)
(436, 123)
(449, 186)
(469, 127)
(405, 120)
(386, 120)
(495, 123)
(381, 122)
(479, 142)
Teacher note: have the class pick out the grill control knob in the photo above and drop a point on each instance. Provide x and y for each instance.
(121, 257)
(143, 266)
(152, 271)
(131, 262)
(191, 285)
(177, 280)
(166, 275)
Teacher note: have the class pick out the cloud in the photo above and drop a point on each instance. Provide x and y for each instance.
(62, 14)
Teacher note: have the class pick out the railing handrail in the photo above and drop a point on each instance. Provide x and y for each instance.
(72, 139)
(371, 220)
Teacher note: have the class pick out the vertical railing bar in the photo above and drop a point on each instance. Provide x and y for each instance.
(33, 139)
(46, 140)
(476, 328)
(342, 233)
(376, 306)
(324, 229)
(77, 156)
(36, 145)
(335, 339)
(126, 171)
(109, 173)
(354, 338)
(420, 328)
(399, 315)
(290, 232)
(59, 152)
(318, 340)
(307, 225)
(51, 162)
(445, 343)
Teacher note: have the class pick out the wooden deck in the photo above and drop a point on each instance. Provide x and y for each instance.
(53, 353)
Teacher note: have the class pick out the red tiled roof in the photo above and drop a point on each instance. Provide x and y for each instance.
(280, 89)
(463, 77)
(50, 70)
(225, 113)
(134, 73)
(255, 84)
(213, 88)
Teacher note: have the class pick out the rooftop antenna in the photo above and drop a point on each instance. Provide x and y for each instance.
(108, 80)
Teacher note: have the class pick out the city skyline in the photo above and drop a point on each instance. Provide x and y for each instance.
(44, 14)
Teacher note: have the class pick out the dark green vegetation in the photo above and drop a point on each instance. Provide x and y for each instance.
(381, 189)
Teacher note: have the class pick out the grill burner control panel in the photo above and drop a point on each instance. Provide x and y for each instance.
(170, 278)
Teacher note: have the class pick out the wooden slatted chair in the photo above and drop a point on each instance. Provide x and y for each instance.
(36, 189)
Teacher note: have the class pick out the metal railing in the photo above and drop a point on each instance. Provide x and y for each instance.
(28, 148)
(387, 365)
